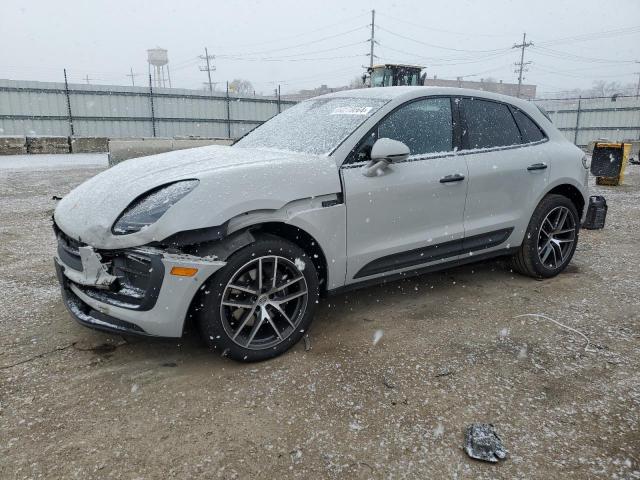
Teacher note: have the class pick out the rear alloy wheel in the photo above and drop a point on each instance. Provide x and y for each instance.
(556, 237)
(261, 302)
(550, 240)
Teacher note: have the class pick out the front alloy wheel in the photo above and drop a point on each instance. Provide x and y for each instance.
(264, 302)
(260, 303)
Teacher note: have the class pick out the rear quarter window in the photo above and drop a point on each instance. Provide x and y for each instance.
(530, 131)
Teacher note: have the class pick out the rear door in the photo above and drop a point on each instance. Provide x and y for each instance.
(508, 169)
(406, 217)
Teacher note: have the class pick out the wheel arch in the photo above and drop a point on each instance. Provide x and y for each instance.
(571, 192)
(302, 239)
(248, 234)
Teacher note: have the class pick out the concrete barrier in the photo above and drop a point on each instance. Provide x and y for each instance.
(124, 149)
(13, 145)
(47, 144)
(89, 144)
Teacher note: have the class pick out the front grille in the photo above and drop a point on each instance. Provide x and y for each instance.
(68, 250)
(139, 274)
(139, 280)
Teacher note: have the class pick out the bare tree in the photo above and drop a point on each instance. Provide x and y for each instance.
(356, 82)
(599, 88)
(241, 87)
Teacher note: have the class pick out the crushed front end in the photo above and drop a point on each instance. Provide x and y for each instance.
(139, 290)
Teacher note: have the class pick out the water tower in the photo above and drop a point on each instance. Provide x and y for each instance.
(158, 60)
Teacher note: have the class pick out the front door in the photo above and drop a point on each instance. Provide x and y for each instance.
(411, 214)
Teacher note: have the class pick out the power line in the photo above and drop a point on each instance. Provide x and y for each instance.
(548, 52)
(311, 42)
(593, 36)
(522, 64)
(276, 59)
(302, 34)
(306, 77)
(242, 57)
(439, 46)
(434, 29)
(441, 61)
(563, 73)
(191, 63)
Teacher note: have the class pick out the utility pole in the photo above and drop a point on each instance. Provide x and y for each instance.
(638, 87)
(133, 82)
(68, 96)
(209, 68)
(372, 39)
(522, 64)
(87, 79)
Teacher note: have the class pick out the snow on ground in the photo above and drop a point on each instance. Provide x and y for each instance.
(53, 161)
(451, 351)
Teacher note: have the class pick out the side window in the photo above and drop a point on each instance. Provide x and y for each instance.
(489, 124)
(530, 131)
(424, 126)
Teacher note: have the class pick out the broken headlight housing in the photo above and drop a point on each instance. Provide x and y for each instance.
(149, 207)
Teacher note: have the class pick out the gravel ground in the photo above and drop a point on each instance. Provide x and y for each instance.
(75, 403)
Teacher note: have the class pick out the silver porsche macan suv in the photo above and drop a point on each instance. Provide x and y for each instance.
(339, 191)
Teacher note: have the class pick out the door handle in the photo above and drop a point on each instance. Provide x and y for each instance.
(537, 166)
(452, 178)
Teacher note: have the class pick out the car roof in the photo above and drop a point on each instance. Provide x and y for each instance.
(407, 93)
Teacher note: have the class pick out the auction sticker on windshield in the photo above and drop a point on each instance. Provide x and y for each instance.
(351, 110)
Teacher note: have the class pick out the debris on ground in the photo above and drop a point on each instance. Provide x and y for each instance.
(444, 371)
(296, 455)
(307, 343)
(388, 383)
(483, 443)
(561, 325)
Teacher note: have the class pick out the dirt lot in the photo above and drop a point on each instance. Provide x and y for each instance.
(75, 403)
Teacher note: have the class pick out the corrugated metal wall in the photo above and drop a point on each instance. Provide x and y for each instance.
(583, 120)
(40, 108)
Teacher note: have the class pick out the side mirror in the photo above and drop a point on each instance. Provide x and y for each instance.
(389, 150)
(384, 152)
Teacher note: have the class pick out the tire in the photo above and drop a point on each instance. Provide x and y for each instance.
(536, 255)
(233, 322)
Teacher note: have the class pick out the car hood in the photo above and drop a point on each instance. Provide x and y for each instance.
(233, 181)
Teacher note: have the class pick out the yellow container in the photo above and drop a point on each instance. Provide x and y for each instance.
(609, 161)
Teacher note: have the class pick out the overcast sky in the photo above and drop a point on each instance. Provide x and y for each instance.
(304, 44)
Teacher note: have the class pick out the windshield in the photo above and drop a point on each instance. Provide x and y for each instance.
(381, 77)
(314, 126)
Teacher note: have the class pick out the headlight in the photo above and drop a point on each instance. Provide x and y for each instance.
(149, 207)
(585, 162)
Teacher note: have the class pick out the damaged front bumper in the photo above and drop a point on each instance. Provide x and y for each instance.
(131, 290)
